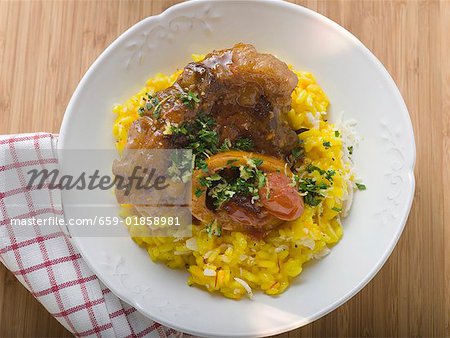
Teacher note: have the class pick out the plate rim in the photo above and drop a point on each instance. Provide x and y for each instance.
(409, 163)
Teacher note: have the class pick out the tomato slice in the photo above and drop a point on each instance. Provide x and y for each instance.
(283, 200)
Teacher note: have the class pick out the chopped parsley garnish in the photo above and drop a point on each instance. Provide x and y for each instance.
(336, 133)
(222, 193)
(310, 168)
(153, 103)
(189, 99)
(156, 112)
(214, 228)
(226, 145)
(350, 150)
(247, 184)
(214, 177)
(312, 191)
(243, 144)
(157, 108)
(297, 153)
(255, 162)
(201, 164)
(204, 182)
(200, 136)
(181, 167)
(327, 173)
(198, 192)
(336, 209)
(327, 144)
(312, 200)
(360, 186)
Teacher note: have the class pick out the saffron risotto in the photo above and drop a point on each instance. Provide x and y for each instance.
(235, 264)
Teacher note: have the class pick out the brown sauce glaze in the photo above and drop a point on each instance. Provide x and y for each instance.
(247, 94)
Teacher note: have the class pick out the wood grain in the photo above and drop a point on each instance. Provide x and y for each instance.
(46, 46)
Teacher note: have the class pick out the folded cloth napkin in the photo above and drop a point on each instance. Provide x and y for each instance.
(47, 263)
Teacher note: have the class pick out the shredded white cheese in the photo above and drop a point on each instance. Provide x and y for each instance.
(313, 119)
(322, 253)
(245, 286)
(208, 254)
(191, 244)
(209, 272)
(225, 259)
(349, 139)
(348, 199)
(168, 128)
(181, 253)
(308, 242)
(281, 248)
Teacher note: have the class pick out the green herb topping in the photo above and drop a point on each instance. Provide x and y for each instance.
(297, 153)
(247, 184)
(312, 190)
(214, 228)
(153, 103)
(198, 192)
(360, 186)
(244, 144)
(327, 173)
(189, 99)
(201, 136)
(181, 167)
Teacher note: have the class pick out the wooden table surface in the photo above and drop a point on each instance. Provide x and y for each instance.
(46, 46)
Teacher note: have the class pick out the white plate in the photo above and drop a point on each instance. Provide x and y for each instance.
(356, 83)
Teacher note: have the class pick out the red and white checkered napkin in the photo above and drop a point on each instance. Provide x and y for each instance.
(47, 264)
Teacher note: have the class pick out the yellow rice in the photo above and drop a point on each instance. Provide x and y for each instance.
(232, 263)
